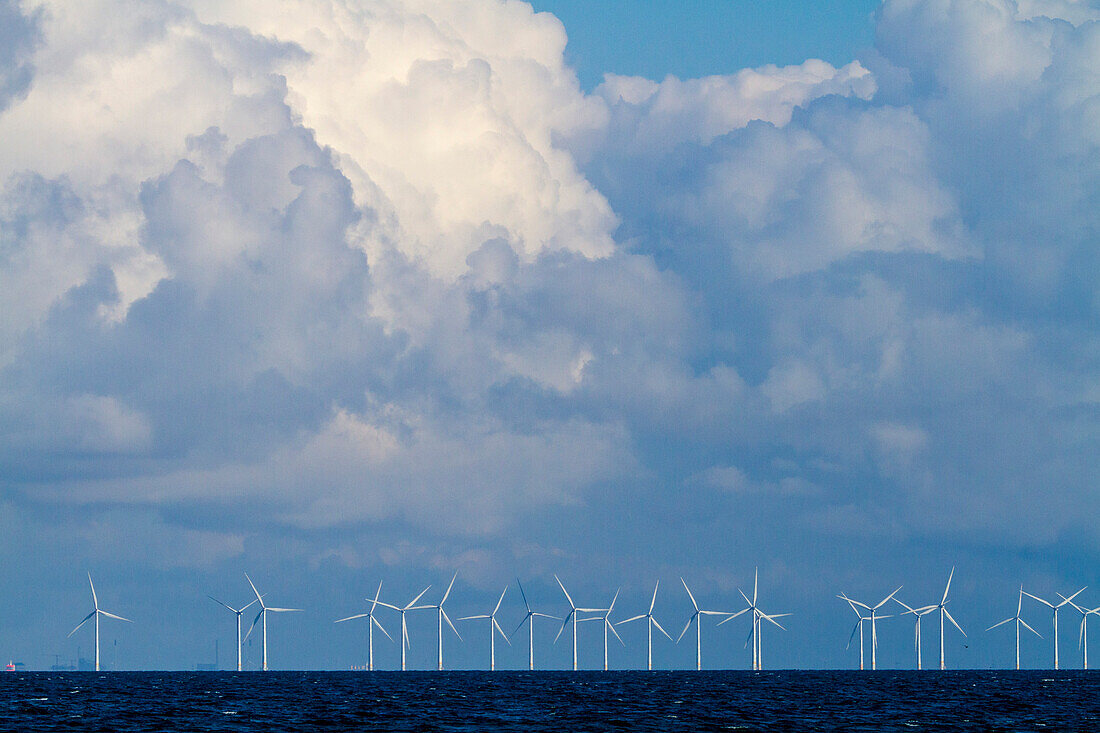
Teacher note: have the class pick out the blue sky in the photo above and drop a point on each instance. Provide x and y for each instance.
(369, 291)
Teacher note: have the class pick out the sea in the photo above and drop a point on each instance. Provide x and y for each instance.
(550, 701)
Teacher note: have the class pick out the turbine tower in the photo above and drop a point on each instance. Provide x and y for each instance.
(942, 606)
(873, 618)
(410, 606)
(650, 623)
(238, 612)
(371, 623)
(573, 611)
(530, 618)
(1054, 608)
(918, 613)
(95, 614)
(1019, 621)
(697, 617)
(263, 614)
(494, 627)
(441, 615)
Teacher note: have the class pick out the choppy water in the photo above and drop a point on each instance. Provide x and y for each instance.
(550, 701)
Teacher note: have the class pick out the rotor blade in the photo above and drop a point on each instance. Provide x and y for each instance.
(686, 628)
(528, 617)
(245, 606)
(616, 633)
(613, 601)
(563, 623)
(632, 618)
(95, 601)
(500, 601)
(755, 585)
(254, 622)
(853, 634)
(388, 605)
(418, 597)
(904, 605)
(853, 604)
(751, 605)
(377, 593)
(283, 610)
(545, 615)
(473, 618)
(1037, 598)
(352, 618)
(225, 604)
(93, 613)
(1030, 629)
(949, 577)
(405, 633)
(654, 601)
(111, 615)
(448, 620)
(524, 596)
(563, 590)
(254, 589)
(1020, 601)
(1070, 599)
(381, 628)
(772, 619)
(748, 638)
(1000, 623)
(887, 598)
(689, 594)
(497, 627)
(452, 585)
(660, 628)
(952, 620)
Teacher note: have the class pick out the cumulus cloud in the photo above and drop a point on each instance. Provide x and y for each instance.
(364, 264)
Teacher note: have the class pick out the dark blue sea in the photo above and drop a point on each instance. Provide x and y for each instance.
(550, 701)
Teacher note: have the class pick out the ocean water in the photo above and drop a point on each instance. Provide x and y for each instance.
(550, 701)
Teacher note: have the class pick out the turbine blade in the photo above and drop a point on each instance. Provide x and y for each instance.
(660, 628)
(689, 594)
(497, 627)
(111, 615)
(1030, 629)
(563, 625)
(687, 627)
(953, 621)
(473, 618)
(258, 598)
(283, 610)
(772, 619)
(448, 620)
(1000, 623)
(95, 600)
(654, 601)
(528, 617)
(351, 618)
(243, 608)
(949, 577)
(418, 597)
(1037, 598)
(1070, 599)
(381, 628)
(609, 608)
(452, 585)
(500, 601)
(377, 593)
(751, 604)
(853, 634)
(616, 633)
(632, 618)
(887, 598)
(908, 608)
(755, 585)
(254, 622)
(225, 604)
(524, 596)
(563, 590)
(86, 618)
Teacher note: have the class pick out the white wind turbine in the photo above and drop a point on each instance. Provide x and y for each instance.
(494, 628)
(263, 614)
(942, 606)
(918, 613)
(757, 617)
(605, 618)
(1054, 608)
(410, 606)
(530, 618)
(650, 623)
(371, 623)
(1019, 621)
(697, 617)
(238, 612)
(872, 618)
(1083, 639)
(95, 614)
(573, 611)
(441, 615)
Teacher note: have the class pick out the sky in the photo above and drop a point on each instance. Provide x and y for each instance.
(335, 293)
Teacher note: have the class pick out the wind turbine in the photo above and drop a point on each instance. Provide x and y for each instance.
(440, 616)
(872, 618)
(918, 612)
(942, 606)
(1055, 609)
(1019, 621)
(371, 623)
(650, 623)
(573, 611)
(96, 613)
(263, 614)
(697, 618)
(607, 625)
(530, 617)
(757, 617)
(494, 627)
(410, 606)
(1083, 639)
(238, 612)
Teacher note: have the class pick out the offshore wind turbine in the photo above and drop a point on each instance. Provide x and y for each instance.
(263, 614)
(1083, 639)
(530, 618)
(872, 618)
(942, 606)
(697, 617)
(410, 606)
(572, 615)
(605, 618)
(1054, 608)
(238, 612)
(1019, 621)
(95, 614)
(494, 627)
(757, 617)
(441, 615)
(650, 623)
(919, 613)
(371, 623)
